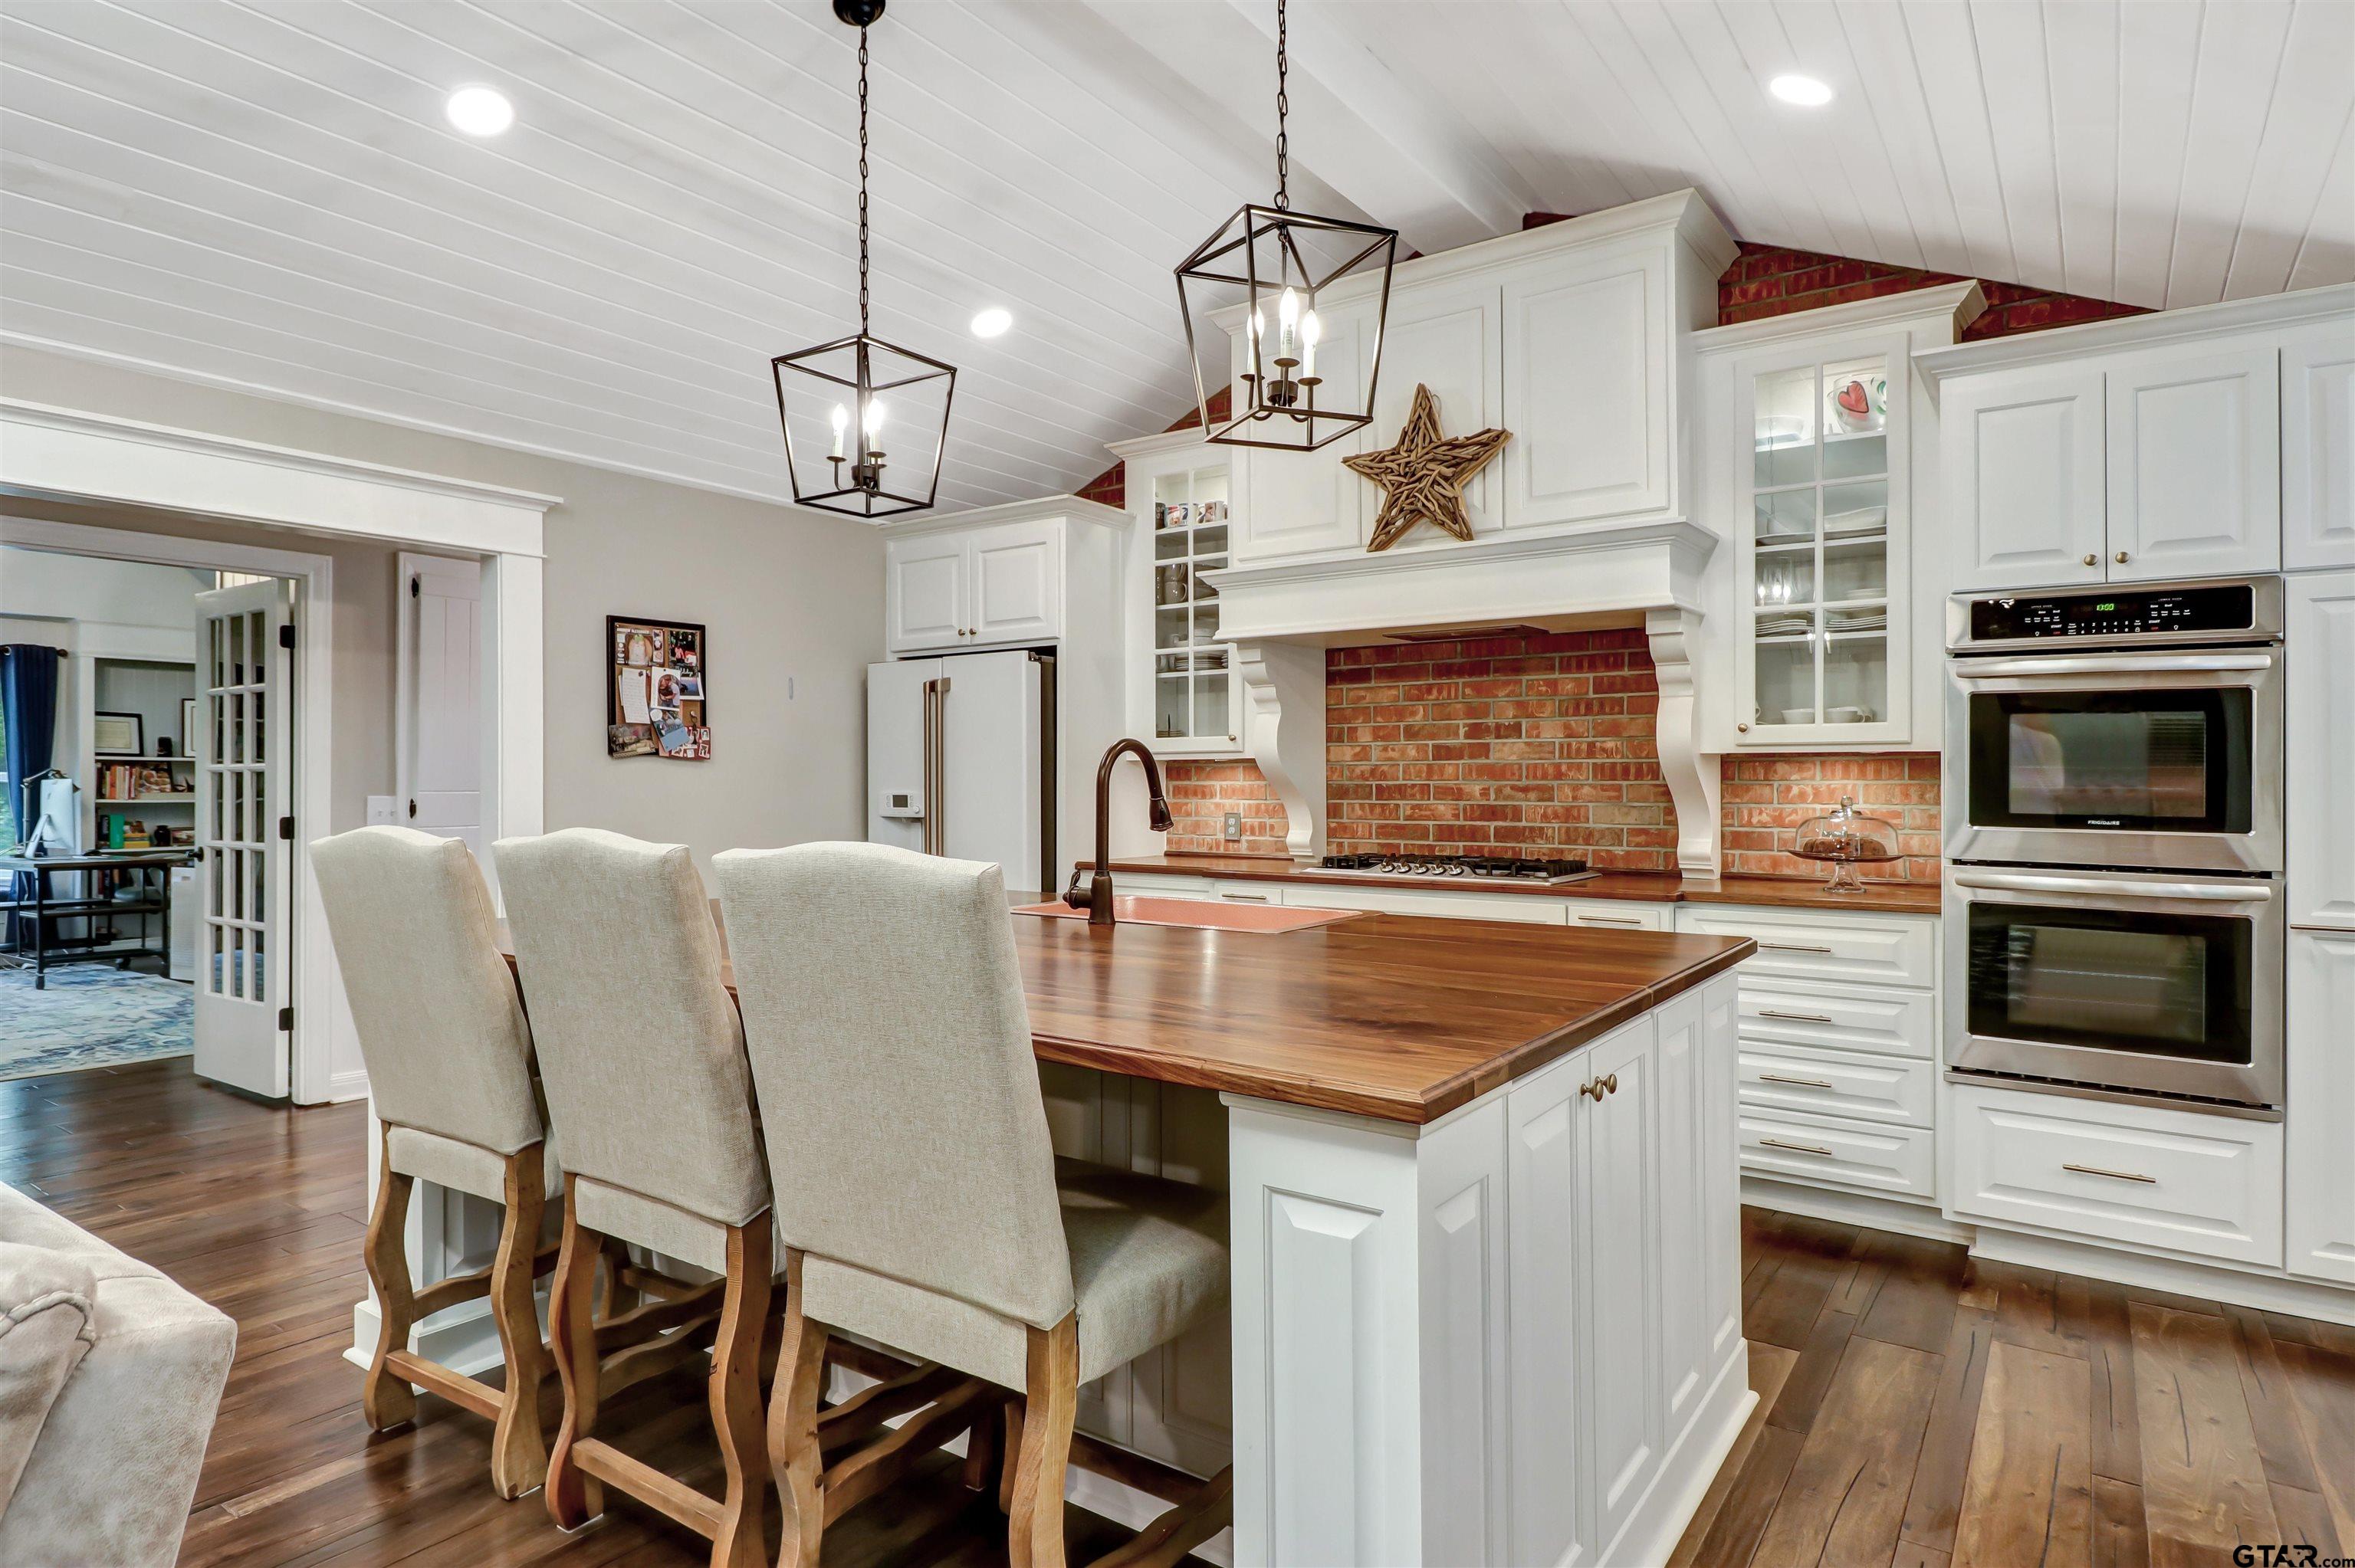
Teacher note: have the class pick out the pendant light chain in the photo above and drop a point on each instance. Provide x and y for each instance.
(1283, 108)
(862, 182)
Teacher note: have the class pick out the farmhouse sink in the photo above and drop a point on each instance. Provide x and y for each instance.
(1202, 915)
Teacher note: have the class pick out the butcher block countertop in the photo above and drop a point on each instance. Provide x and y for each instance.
(1773, 892)
(1399, 1018)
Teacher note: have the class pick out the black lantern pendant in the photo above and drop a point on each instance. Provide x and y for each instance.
(830, 398)
(1283, 259)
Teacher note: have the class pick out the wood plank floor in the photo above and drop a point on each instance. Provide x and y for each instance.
(1917, 1409)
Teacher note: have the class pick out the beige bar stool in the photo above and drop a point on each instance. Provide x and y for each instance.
(643, 1063)
(449, 1064)
(919, 1200)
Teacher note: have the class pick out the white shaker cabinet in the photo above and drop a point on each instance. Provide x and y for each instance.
(1586, 393)
(2023, 463)
(2319, 647)
(925, 592)
(1449, 340)
(2194, 463)
(1296, 503)
(2320, 1221)
(2317, 453)
(976, 587)
(2318, 739)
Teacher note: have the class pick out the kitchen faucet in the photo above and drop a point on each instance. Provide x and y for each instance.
(1098, 900)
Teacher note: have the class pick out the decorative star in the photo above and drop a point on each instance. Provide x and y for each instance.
(1422, 477)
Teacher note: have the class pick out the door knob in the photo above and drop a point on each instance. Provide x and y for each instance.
(2120, 557)
(2093, 560)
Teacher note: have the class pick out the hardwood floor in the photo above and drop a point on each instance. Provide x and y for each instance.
(1916, 1409)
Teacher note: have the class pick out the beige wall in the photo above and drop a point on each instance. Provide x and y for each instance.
(785, 595)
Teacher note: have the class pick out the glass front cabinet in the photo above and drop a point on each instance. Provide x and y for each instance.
(1821, 597)
(1184, 698)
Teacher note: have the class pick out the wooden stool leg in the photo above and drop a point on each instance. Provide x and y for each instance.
(613, 1297)
(574, 1497)
(982, 1453)
(518, 1447)
(735, 1393)
(1035, 1525)
(794, 1459)
(386, 1399)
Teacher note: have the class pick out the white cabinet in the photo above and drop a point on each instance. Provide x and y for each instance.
(2024, 474)
(2318, 737)
(1620, 1196)
(1450, 340)
(2194, 486)
(2320, 1185)
(1183, 692)
(976, 587)
(1586, 392)
(2318, 448)
(1294, 503)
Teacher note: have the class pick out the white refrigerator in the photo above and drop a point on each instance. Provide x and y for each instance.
(961, 760)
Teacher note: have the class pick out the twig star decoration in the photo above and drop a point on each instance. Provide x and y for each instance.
(1422, 477)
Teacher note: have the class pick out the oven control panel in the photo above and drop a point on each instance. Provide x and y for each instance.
(2114, 615)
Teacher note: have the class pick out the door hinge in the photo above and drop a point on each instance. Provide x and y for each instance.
(412, 585)
(286, 828)
(412, 809)
(286, 1020)
(286, 635)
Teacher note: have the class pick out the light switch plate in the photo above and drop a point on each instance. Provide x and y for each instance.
(383, 811)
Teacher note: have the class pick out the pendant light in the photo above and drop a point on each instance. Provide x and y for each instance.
(840, 401)
(1283, 259)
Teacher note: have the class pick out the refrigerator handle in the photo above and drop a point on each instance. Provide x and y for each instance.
(935, 771)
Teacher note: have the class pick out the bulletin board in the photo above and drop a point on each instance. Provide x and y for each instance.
(655, 704)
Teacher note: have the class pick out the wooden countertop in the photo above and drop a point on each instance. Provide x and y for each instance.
(1773, 892)
(1385, 1015)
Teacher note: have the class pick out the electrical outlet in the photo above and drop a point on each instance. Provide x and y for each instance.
(1234, 827)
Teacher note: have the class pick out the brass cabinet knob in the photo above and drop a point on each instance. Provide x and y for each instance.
(2093, 560)
(1594, 1089)
(1742, 728)
(2120, 557)
(1611, 1083)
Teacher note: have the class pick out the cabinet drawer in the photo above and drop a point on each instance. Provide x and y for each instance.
(1612, 914)
(1895, 1161)
(1415, 901)
(1838, 1083)
(1846, 1018)
(2209, 1186)
(1888, 950)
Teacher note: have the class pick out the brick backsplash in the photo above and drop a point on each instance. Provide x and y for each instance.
(1540, 744)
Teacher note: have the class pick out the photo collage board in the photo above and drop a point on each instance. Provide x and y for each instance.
(655, 705)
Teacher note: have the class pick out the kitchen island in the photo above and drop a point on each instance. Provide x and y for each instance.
(1485, 1222)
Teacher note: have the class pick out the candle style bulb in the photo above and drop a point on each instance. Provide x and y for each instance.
(1311, 329)
(841, 423)
(874, 422)
(1287, 321)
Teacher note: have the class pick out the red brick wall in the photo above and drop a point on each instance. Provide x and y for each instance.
(1765, 281)
(1202, 793)
(1766, 798)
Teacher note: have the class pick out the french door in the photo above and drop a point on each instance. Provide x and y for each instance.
(244, 737)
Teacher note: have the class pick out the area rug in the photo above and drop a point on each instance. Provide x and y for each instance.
(91, 1016)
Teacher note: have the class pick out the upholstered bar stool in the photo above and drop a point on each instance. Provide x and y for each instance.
(918, 1199)
(644, 1065)
(449, 1063)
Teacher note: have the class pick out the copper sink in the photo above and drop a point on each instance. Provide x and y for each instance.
(1202, 915)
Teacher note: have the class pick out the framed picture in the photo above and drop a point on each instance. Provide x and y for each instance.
(188, 727)
(654, 685)
(118, 735)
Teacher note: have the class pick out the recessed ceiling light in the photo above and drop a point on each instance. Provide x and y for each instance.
(480, 111)
(992, 322)
(1805, 90)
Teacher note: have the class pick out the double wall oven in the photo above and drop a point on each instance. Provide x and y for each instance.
(2113, 841)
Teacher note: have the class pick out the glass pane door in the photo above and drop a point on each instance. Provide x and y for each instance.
(1191, 667)
(1819, 492)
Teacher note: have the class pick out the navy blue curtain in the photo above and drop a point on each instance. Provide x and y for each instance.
(28, 700)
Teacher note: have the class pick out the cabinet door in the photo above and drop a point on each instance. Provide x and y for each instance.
(2319, 1223)
(1620, 1200)
(2319, 740)
(2022, 462)
(1446, 341)
(1685, 1238)
(1548, 1518)
(1586, 393)
(926, 592)
(2195, 464)
(1722, 1151)
(1017, 575)
(2318, 450)
(1296, 503)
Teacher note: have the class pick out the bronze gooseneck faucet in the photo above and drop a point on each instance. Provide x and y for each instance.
(1097, 901)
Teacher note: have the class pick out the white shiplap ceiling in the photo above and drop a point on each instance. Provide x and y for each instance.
(265, 195)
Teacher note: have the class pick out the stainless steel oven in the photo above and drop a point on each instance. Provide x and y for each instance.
(2128, 727)
(2134, 981)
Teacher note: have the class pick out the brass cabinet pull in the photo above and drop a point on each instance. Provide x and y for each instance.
(1799, 1148)
(1794, 1017)
(1608, 920)
(2093, 560)
(1792, 947)
(1803, 1083)
(1594, 1089)
(2114, 1175)
(2121, 557)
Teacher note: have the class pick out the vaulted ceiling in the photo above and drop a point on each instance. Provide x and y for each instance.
(265, 195)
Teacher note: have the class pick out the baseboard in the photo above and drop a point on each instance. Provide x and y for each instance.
(2179, 1277)
(462, 1338)
(1853, 1209)
(351, 1085)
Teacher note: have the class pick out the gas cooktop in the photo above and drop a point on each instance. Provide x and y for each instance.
(1455, 868)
